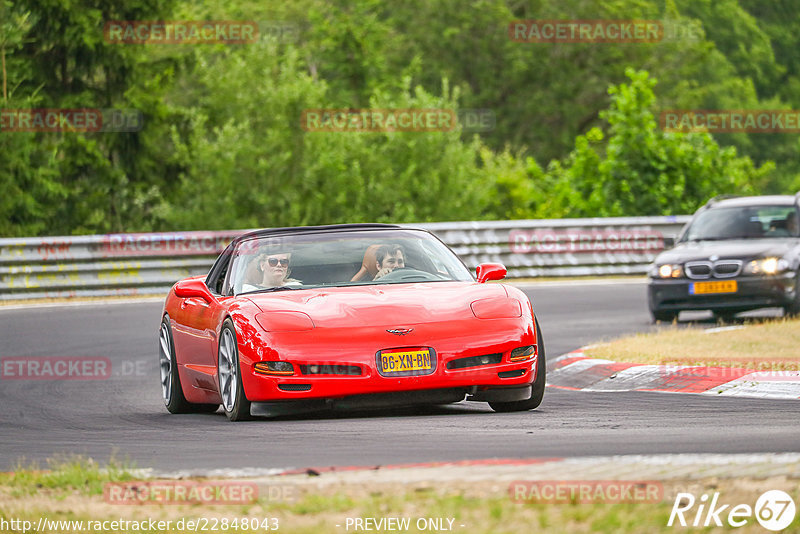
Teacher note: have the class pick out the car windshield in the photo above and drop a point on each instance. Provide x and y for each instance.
(744, 222)
(326, 259)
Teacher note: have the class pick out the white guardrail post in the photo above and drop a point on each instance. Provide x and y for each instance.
(147, 264)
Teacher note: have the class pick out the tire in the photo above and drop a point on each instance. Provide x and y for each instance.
(661, 316)
(725, 317)
(793, 309)
(204, 408)
(537, 388)
(234, 401)
(171, 390)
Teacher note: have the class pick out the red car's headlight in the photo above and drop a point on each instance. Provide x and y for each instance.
(496, 308)
(523, 353)
(284, 321)
(274, 368)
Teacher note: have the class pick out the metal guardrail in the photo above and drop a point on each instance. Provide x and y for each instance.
(148, 264)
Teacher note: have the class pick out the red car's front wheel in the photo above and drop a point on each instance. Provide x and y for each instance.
(234, 402)
(537, 388)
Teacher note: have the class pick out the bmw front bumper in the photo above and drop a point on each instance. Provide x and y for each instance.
(751, 292)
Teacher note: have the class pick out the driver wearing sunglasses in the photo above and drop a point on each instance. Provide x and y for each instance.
(274, 271)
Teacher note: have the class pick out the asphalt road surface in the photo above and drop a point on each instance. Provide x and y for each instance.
(124, 414)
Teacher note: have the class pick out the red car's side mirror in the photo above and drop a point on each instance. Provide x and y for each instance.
(193, 288)
(491, 271)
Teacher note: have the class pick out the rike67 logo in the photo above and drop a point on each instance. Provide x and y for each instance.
(774, 510)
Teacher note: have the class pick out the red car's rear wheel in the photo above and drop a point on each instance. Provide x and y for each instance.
(171, 390)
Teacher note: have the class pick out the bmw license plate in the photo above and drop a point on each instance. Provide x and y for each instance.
(405, 361)
(706, 288)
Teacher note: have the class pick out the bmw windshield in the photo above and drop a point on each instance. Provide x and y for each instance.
(744, 222)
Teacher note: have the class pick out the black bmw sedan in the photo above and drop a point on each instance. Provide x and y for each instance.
(736, 254)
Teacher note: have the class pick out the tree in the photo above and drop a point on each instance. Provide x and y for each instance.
(251, 164)
(642, 170)
(78, 182)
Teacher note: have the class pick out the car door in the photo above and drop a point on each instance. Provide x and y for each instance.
(195, 334)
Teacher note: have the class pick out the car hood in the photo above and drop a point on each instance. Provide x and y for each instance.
(728, 249)
(381, 305)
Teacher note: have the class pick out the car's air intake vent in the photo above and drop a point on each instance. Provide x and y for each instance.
(314, 369)
(474, 361)
(294, 387)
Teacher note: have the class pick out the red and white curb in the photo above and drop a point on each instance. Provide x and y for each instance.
(576, 371)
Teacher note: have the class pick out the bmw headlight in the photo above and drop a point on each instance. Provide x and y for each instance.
(668, 270)
(767, 266)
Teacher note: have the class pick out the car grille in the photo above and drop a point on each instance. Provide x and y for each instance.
(727, 269)
(719, 269)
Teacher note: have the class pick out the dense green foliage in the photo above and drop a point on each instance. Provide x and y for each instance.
(576, 130)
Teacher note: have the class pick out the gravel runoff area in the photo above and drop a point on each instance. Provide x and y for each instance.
(662, 467)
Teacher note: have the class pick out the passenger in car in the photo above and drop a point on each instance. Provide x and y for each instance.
(778, 228)
(792, 225)
(784, 227)
(388, 258)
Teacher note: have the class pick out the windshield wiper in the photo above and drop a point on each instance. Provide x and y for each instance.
(273, 289)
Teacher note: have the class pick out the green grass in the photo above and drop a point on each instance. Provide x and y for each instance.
(67, 473)
(71, 488)
(764, 346)
(315, 504)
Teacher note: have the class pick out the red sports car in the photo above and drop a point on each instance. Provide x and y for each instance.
(362, 315)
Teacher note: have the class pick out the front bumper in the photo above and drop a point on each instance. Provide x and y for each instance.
(752, 292)
(322, 347)
(391, 400)
(474, 381)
